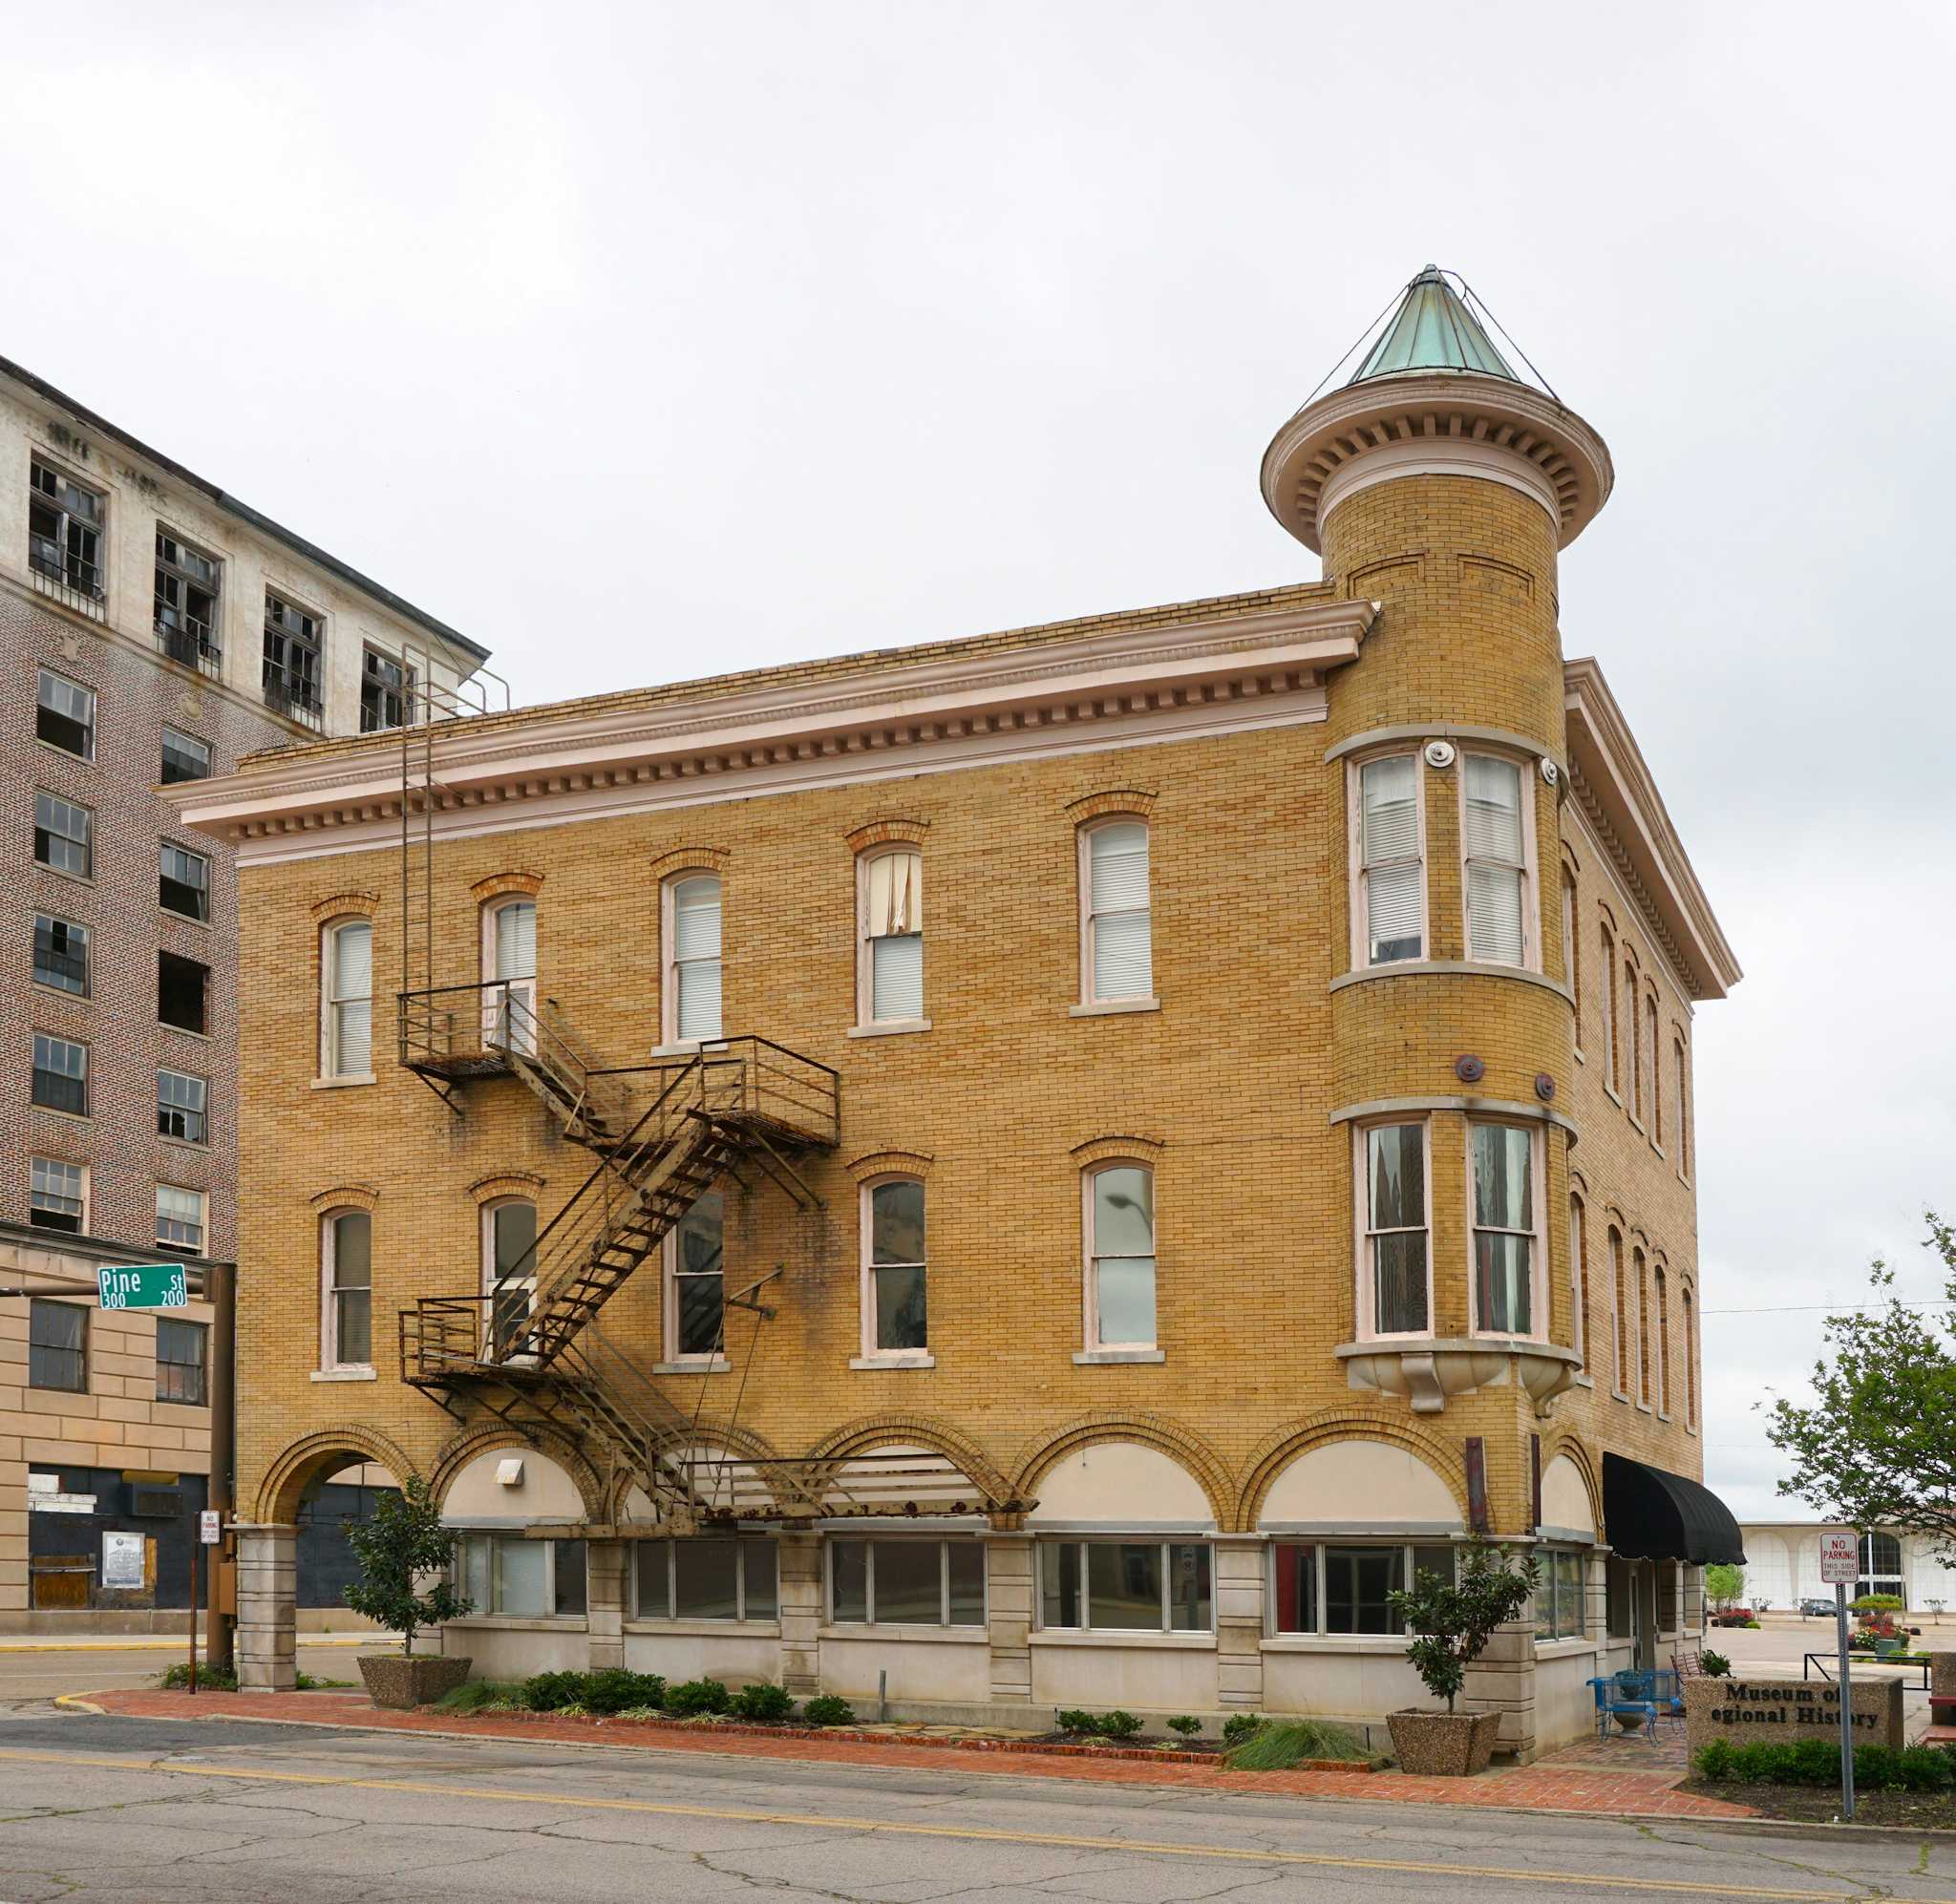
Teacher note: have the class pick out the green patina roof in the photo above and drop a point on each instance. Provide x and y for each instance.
(1433, 329)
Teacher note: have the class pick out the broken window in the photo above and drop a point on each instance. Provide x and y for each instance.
(386, 692)
(186, 605)
(182, 993)
(293, 641)
(64, 539)
(183, 882)
(65, 715)
(184, 757)
(61, 953)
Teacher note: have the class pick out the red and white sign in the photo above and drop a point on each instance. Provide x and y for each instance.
(210, 1527)
(1839, 1558)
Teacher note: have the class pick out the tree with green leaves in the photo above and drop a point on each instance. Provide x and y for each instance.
(1877, 1446)
(401, 1546)
(1452, 1621)
(1723, 1584)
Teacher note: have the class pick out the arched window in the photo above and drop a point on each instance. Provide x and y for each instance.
(1606, 1010)
(1578, 1282)
(890, 963)
(1662, 1350)
(1643, 1280)
(1119, 1223)
(345, 1030)
(695, 1313)
(1620, 1314)
(1117, 949)
(1572, 949)
(509, 1272)
(1690, 1321)
(1633, 1043)
(1684, 1115)
(509, 974)
(895, 1306)
(346, 1277)
(1654, 1046)
(689, 998)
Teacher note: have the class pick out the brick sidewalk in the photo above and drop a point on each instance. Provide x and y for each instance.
(1614, 1790)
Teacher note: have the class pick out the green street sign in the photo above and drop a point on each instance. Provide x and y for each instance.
(143, 1285)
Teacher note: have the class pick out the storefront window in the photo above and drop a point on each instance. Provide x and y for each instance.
(1342, 1588)
(507, 1576)
(1559, 1613)
(1126, 1586)
(713, 1579)
(907, 1583)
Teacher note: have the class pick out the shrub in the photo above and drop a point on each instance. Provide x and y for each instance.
(209, 1679)
(1185, 1725)
(1817, 1761)
(1877, 1603)
(761, 1700)
(1714, 1664)
(479, 1696)
(1241, 1725)
(826, 1709)
(552, 1692)
(693, 1697)
(1076, 1723)
(614, 1689)
(1280, 1744)
(1716, 1760)
(1118, 1725)
(1451, 1622)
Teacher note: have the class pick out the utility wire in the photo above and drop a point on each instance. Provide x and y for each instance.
(1805, 1308)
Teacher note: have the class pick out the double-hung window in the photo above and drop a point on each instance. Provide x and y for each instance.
(346, 1313)
(1494, 836)
(185, 758)
(693, 958)
(65, 715)
(61, 954)
(61, 1080)
(1126, 1586)
(1663, 1350)
(188, 584)
(1690, 1347)
(1331, 1587)
(1633, 1043)
(890, 973)
(1619, 1312)
(1394, 1292)
(1656, 1047)
(1117, 932)
(1120, 1221)
(57, 1195)
(64, 836)
(1506, 1228)
(1641, 1268)
(291, 660)
(1392, 874)
(1572, 951)
(1558, 1610)
(695, 1313)
(347, 1034)
(506, 1575)
(715, 1578)
(907, 1583)
(57, 1347)
(64, 535)
(181, 1100)
(386, 692)
(183, 882)
(180, 1220)
(182, 993)
(896, 1315)
(182, 1357)
(1579, 1281)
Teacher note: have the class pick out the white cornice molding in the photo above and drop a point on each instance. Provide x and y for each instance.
(1436, 422)
(1112, 688)
(1619, 801)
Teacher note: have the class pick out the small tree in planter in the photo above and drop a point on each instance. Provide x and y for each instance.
(1451, 1622)
(400, 1547)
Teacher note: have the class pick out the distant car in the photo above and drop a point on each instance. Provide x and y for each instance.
(1817, 1609)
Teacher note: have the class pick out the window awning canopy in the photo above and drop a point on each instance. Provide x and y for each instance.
(1653, 1514)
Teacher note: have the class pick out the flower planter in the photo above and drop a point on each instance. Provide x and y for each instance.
(402, 1681)
(1443, 1744)
(1628, 1721)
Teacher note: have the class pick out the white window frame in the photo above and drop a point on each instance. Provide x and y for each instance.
(1579, 1281)
(1165, 1543)
(87, 942)
(1089, 1278)
(1090, 993)
(328, 1003)
(868, 1354)
(1358, 900)
(1537, 1234)
(87, 842)
(330, 1361)
(866, 1019)
(669, 1276)
(502, 1028)
(670, 1039)
(1407, 1544)
(85, 1078)
(1622, 1335)
(1531, 885)
(200, 1248)
(84, 1179)
(87, 725)
(1366, 1285)
(203, 1110)
(1660, 1331)
(745, 1546)
(1606, 998)
(1550, 1586)
(488, 1239)
(870, 1537)
(201, 860)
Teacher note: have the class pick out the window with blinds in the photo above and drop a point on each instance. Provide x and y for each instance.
(1493, 840)
(893, 936)
(348, 1000)
(1391, 876)
(693, 970)
(1120, 934)
(516, 941)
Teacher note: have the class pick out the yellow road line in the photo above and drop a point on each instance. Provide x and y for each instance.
(1153, 1848)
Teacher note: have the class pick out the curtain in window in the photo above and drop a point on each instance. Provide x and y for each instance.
(696, 957)
(1494, 849)
(1120, 919)
(895, 926)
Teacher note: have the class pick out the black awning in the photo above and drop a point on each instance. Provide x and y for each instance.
(1653, 1514)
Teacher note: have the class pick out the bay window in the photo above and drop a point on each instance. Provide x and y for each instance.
(1126, 1586)
(1393, 1290)
(1493, 839)
(1502, 1166)
(907, 1583)
(1392, 874)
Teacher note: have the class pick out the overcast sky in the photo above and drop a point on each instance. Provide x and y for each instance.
(645, 340)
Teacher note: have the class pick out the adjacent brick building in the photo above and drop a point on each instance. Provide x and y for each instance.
(1056, 1168)
(152, 630)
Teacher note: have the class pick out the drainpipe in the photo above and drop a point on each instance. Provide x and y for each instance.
(221, 1291)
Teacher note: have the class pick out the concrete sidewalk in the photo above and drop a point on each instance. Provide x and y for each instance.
(1626, 1791)
(176, 1643)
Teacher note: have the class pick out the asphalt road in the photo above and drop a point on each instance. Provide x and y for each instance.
(41, 1674)
(105, 1810)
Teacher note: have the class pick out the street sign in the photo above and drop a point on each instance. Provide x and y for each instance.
(143, 1285)
(1839, 1557)
(210, 1527)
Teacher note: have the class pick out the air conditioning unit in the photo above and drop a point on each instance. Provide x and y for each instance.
(156, 1503)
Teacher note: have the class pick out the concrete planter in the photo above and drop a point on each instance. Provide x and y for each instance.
(1443, 1744)
(400, 1682)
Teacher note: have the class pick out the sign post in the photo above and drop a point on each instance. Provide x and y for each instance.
(1839, 1557)
(143, 1285)
(209, 1532)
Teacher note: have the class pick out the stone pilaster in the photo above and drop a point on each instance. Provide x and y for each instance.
(801, 1590)
(605, 1586)
(1503, 1679)
(1240, 1576)
(1008, 1587)
(268, 1608)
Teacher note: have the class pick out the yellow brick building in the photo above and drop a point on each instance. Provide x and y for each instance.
(1045, 1170)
